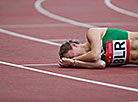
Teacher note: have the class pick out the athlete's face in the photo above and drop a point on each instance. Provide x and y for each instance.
(74, 52)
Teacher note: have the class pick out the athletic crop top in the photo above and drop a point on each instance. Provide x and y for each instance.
(112, 34)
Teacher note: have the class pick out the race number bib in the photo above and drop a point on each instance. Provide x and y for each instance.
(117, 52)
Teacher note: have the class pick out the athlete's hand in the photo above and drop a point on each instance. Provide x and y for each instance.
(66, 62)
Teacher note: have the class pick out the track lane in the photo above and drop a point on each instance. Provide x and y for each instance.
(70, 77)
(103, 78)
(23, 85)
(68, 70)
(120, 10)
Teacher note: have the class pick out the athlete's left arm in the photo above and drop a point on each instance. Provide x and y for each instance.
(94, 39)
(66, 62)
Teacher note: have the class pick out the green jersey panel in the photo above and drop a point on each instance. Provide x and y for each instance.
(112, 34)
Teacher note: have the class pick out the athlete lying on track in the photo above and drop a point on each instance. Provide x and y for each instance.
(104, 46)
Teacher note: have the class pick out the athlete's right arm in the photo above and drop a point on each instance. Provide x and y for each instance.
(96, 64)
(94, 39)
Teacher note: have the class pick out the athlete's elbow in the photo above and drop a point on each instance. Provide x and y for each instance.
(96, 57)
(102, 64)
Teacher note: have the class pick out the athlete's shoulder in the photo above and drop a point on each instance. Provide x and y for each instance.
(96, 31)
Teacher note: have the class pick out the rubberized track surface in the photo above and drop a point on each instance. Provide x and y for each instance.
(28, 64)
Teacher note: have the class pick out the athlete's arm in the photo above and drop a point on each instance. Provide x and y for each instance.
(94, 39)
(66, 62)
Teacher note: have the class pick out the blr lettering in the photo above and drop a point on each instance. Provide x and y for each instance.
(119, 52)
(120, 45)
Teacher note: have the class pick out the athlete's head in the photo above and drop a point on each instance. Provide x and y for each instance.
(70, 49)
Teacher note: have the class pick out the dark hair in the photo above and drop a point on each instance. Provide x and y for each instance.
(65, 47)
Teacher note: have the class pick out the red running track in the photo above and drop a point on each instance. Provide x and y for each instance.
(20, 85)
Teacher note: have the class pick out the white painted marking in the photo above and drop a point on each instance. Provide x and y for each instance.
(28, 37)
(38, 64)
(71, 77)
(51, 15)
(115, 23)
(130, 65)
(110, 5)
(68, 25)
(36, 25)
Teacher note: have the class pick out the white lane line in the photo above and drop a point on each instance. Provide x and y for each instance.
(53, 16)
(132, 65)
(28, 37)
(133, 101)
(68, 25)
(110, 5)
(36, 25)
(115, 23)
(39, 64)
(71, 77)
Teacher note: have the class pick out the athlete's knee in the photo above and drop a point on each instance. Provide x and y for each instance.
(103, 64)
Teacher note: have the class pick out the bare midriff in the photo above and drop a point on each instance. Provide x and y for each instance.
(133, 37)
